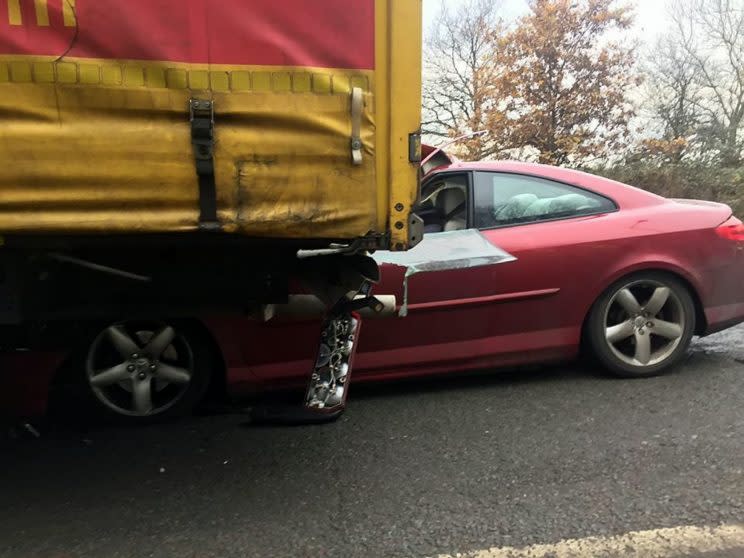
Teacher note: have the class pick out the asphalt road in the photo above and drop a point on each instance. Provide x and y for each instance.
(416, 469)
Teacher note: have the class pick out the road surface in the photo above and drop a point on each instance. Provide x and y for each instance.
(483, 465)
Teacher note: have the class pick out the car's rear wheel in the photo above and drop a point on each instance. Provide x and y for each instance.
(141, 371)
(642, 325)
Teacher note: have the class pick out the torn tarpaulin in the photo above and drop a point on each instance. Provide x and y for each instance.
(443, 251)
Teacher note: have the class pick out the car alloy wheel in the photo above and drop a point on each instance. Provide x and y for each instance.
(642, 325)
(647, 332)
(140, 369)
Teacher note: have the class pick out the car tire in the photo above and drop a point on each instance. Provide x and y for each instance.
(642, 325)
(144, 371)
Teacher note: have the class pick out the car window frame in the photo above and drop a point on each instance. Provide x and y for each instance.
(469, 187)
(615, 206)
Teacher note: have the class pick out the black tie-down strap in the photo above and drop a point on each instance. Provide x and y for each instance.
(202, 138)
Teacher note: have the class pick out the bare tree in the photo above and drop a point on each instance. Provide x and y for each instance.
(672, 92)
(710, 34)
(458, 70)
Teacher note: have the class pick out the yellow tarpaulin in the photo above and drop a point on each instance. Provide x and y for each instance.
(97, 144)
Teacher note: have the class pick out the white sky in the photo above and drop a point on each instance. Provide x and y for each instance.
(651, 19)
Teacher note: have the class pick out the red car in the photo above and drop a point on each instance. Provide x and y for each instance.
(625, 274)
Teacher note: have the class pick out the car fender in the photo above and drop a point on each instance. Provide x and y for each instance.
(658, 262)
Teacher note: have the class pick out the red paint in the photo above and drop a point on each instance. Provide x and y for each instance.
(318, 33)
(528, 311)
(25, 379)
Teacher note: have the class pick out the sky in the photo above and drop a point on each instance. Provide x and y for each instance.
(651, 19)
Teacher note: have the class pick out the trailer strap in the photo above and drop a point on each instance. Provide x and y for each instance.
(202, 139)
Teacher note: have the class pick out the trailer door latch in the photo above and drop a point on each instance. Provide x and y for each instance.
(357, 107)
(201, 114)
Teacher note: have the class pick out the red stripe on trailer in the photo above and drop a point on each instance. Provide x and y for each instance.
(314, 33)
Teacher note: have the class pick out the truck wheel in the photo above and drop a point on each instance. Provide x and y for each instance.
(141, 371)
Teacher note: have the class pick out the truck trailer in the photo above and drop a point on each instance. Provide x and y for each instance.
(164, 158)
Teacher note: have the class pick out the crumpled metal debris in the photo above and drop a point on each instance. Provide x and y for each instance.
(442, 251)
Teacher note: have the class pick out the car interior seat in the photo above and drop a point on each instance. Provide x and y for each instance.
(432, 216)
(453, 204)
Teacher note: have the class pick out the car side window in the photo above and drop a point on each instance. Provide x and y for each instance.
(443, 205)
(503, 199)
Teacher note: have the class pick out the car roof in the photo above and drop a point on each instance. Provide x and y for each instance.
(624, 195)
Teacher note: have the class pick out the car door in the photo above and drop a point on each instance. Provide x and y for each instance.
(446, 320)
(529, 310)
(553, 230)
